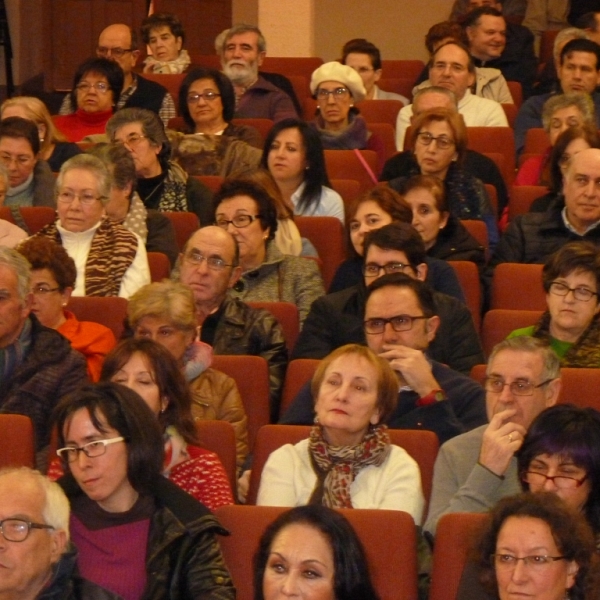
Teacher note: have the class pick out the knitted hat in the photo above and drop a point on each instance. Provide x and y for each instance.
(335, 71)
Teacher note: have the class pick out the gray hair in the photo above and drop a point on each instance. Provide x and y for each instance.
(16, 262)
(119, 162)
(152, 126)
(526, 343)
(94, 165)
(564, 36)
(436, 89)
(56, 509)
(227, 34)
(581, 101)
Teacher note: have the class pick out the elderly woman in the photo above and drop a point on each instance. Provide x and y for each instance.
(571, 325)
(247, 211)
(161, 184)
(163, 33)
(53, 277)
(293, 154)
(439, 142)
(560, 112)
(165, 312)
(337, 88)
(110, 260)
(138, 534)
(348, 461)
(125, 207)
(96, 88)
(54, 147)
(30, 180)
(318, 536)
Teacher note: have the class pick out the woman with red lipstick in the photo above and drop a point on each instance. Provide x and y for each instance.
(348, 461)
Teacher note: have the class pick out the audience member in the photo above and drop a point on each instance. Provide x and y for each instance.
(163, 33)
(110, 260)
(509, 8)
(590, 23)
(474, 470)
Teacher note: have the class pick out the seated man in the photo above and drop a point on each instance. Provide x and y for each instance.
(119, 43)
(209, 265)
(400, 323)
(37, 364)
(243, 49)
(337, 319)
(365, 58)
(451, 67)
(474, 470)
(37, 559)
(509, 8)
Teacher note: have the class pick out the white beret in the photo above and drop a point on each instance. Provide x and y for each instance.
(335, 71)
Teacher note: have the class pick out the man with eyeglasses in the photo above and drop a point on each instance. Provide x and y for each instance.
(474, 470)
(119, 43)
(36, 558)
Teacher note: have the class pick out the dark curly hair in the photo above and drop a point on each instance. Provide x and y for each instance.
(44, 253)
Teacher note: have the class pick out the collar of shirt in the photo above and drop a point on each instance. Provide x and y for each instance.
(572, 229)
(126, 94)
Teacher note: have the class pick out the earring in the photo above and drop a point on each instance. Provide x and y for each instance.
(316, 420)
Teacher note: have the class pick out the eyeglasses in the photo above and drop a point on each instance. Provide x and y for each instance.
(373, 270)
(86, 198)
(579, 293)
(560, 481)
(195, 259)
(17, 530)
(116, 52)
(240, 221)
(133, 139)
(99, 86)
(206, 96)
(517, 388)
(91, 449)
(21, 161)
(425, 138)
(40, 290)
(337, 94)
(398, 323)
(362, 70)
(508, 562)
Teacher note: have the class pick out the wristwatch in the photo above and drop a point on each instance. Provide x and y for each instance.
(433, 396)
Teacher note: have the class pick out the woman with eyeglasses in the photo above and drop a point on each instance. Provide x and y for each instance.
(348, 460)
(138, 534)
(571, 325)
(245, 209)
(97, 85)
(438, 141)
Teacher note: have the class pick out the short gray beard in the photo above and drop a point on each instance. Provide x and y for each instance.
(242, 77)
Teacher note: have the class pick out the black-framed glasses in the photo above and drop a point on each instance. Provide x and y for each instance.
(373, 269)
(425, 138)
(562, 482)
(91, 449)
(193, 98)
(99, 86)
(337, 94)
(579, 293)
(517, 388)
(86, 198)
(536, 562)
(17, 530)
(398, 323)
(116, 52)
(239, 221)
(195, 259)
(40, 290)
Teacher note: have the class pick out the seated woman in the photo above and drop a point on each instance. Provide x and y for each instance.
(559, 113)
(53, 277)
(374, 209)
(110, 260)
(151, 370)
(138, 534)
(337, 88)
(125, 207)
(163, 33)
(348, 461)
(165, 312)
(54, 147)
(97, 86)
(438, 141)
(293, 154)
(11, 234)
(246, 210)
(31, 182)
(553, 543)
(571, 325)
(161, 183)
(327, 542)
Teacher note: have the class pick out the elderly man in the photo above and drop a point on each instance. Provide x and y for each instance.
(451, 67)
(242, 50)
(36, 561)
(209, 265)
(474, 470)
(37, 364)
(401, 320)
(119, 43)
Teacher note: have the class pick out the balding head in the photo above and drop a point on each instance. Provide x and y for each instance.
(433, 97)
(581, 188)
(119, 43)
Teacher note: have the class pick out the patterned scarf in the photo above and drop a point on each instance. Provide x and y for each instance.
(13, 355)
(135, 219)
(337, 466)
(174, 198)
(169, 67)
(175, 449)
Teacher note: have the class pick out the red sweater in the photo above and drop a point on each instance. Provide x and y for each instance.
(80, 124)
